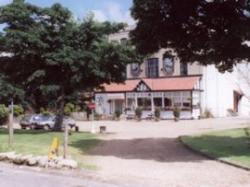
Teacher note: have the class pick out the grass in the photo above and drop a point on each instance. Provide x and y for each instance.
(230, 145)
(38, 143)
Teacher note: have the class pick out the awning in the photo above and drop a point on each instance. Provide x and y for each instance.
(157, 84)
(116, 96)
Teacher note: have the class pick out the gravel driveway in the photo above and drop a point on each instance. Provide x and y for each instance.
(149, 154)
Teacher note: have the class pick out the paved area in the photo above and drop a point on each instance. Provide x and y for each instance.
(13, 176)
(149, 154)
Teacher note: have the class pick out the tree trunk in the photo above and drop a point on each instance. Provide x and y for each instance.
(60, 112)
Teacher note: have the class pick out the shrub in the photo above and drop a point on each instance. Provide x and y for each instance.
(176, 113)
(157, 113)
(138, 113)
(18, 110)
(45, 112)
(69, 108)
(117, 114)
(207, 114)
(3, 115)
(97, 116)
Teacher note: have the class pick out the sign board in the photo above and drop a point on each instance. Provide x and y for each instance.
(91, 106)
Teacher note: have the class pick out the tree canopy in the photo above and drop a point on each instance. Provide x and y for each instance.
(51, 55)
(207, 31)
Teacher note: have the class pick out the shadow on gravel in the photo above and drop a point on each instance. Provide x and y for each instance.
(159, 149)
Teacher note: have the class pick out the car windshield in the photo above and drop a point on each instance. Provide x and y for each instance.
(46, 118)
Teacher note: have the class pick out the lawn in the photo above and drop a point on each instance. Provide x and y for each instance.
(38, 143)
(231, 145)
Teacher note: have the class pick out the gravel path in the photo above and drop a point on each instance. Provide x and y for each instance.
(149, 154)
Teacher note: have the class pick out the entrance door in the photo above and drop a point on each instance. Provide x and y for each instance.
(119, 105)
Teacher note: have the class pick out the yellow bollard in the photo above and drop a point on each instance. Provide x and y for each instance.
(54, 149)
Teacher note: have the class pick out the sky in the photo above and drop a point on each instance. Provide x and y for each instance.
(111, 10)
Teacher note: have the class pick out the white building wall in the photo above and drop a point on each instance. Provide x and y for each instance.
(102, 104)
(218, 94)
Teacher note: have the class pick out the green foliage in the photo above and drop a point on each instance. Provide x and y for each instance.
(45, 112)
(97, 116)
(207, 113)
(157, 113)
(117, 114)
(18, 110)
(69, 108)
(176, 112)
(3, 114)
(138, 113)
(53, 56)
(210, 32)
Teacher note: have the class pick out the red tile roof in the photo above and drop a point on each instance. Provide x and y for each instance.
(157, 84)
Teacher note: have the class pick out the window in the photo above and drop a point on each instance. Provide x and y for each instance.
(184, 69)
(135, 69)
(124, 41)
(168, 64)
(145, 103)
(178, 99)
(158, 102)
(153, 68)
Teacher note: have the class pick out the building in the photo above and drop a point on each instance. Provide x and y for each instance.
(162, 81)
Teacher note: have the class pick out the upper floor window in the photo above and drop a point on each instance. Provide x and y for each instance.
(124, 41)
(153, 68)
(168, 64)
(184, 69)
(135, 69)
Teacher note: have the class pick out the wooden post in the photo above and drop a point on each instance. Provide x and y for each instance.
(10, 126)
(65, 144)
(93, 128)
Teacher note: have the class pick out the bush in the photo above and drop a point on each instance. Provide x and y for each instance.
(18, 110)
(117, 114)
(138, 113)
(3, 115)
(45, 112)
(97, 116)
(157, 113)
(69, 108)
(176, 113)
(207, 114)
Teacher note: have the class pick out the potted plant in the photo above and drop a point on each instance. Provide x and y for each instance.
(157, 114)
(117, 115)
(176, 113)
(138, 113)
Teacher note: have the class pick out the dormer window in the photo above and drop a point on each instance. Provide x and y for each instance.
(135, 69)
(168, 64)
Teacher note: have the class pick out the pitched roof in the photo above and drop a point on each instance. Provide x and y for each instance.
(157, 84)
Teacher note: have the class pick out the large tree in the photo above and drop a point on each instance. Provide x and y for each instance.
(207, 31)
(53, 55)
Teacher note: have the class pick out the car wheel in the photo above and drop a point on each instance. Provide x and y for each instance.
(32, 127)
(46, 127)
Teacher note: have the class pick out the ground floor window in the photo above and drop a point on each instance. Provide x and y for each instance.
(144, 103)
(178, 99)
(158, 102)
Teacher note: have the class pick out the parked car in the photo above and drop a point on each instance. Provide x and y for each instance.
(45, 122)
(28, 121)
